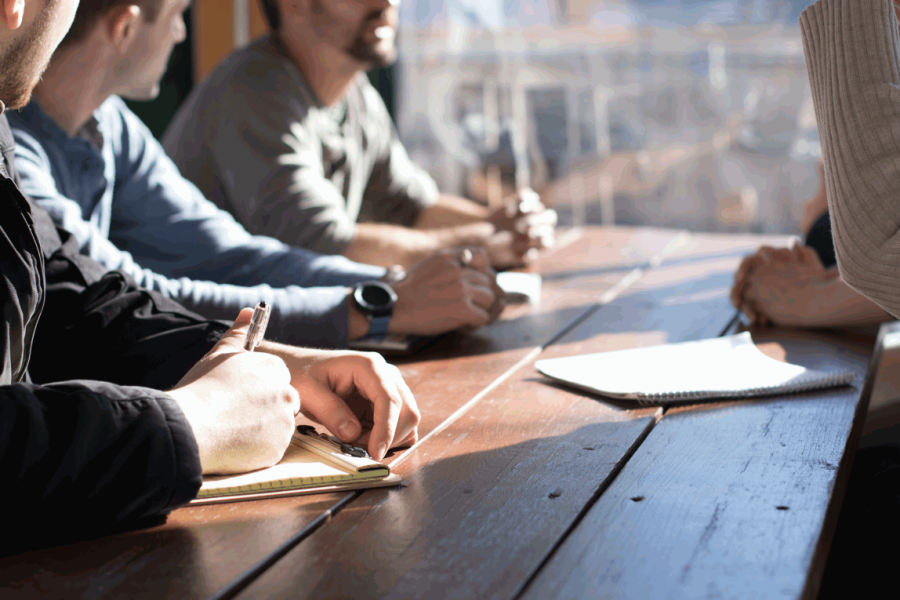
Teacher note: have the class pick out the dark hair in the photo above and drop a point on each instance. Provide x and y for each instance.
(91, 10)
(272, 14)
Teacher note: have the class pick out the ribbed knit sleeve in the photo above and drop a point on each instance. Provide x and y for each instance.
(851, 51)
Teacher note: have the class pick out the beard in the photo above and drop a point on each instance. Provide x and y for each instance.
(371, 53)
(21, 63)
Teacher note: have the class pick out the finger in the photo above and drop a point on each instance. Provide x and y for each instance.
(764, 254)
(810, 257)
(545, 218)
(481, 295)
(741, 277)
(736, 295)
(749, 309)
(472, 277)
(496, 310)
(530, 239)
(387, 409)
(783, 255)
(474, 315)
(233, 339)
(407, 431)
(409, 440)
(329, 409)
(394, 410)
(481, 261)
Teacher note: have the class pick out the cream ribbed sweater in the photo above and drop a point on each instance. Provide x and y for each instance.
(853, 54)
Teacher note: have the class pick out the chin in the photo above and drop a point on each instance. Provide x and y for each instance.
(143, 95)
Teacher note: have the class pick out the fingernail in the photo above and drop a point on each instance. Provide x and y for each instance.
(348, 430)
(382, 450)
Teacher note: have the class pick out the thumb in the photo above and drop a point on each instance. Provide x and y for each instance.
(233, 339)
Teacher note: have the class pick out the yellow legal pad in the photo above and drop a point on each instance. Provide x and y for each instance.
(313, 463)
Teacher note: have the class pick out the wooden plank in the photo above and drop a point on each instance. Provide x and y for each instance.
(200, 550)
(194, 554)
(491, 496)
(455, 371)
(722, 500)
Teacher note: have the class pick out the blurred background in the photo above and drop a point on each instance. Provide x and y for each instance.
(674, 113)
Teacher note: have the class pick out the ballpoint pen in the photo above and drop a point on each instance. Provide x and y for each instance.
(258, 323)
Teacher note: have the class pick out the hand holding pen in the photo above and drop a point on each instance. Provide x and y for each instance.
(240, 405)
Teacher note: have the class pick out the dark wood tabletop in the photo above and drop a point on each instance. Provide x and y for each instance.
(519, 488)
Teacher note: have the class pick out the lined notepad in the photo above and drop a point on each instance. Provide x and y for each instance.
(725, 367)
(311, 464)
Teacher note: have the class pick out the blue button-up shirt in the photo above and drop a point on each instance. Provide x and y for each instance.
(115, 189)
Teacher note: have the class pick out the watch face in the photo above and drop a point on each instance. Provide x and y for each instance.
(375, 297)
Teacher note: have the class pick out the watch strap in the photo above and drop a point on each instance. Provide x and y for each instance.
(379, 326)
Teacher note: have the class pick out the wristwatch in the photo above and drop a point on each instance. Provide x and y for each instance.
(376, 300)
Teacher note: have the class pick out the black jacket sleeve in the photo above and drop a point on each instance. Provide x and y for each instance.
(92, 453)
(98, 324)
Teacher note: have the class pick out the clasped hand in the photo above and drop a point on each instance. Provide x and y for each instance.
(523, 227)
(778, 286)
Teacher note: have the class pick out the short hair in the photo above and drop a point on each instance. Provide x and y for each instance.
(91, 10)
(272, 13)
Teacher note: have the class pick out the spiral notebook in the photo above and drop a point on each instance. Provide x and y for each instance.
(313, 463)
(725, 367)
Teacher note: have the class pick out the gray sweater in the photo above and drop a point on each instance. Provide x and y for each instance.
(853, 54)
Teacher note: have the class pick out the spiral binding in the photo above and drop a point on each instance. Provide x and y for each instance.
(812, 381)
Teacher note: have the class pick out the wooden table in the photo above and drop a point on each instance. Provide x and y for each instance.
(523, 489)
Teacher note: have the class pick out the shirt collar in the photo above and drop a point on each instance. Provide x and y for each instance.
(91, 132)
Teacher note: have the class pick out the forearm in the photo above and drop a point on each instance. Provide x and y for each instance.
(851, 48)
(450, 211)
(836, 304)
(388, 245)
(136, 337)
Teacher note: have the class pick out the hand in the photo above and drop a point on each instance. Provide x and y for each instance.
(779, 286)
(349, 392)
(524, 226)
(441, 294)
(240, 404)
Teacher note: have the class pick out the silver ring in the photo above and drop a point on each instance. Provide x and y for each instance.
(465, 257)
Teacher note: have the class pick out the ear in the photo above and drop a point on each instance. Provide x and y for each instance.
(122, 26)
(13, 13)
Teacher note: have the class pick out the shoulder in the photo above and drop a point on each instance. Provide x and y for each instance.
(29, 127)
(254, 78)
(369, 101)
(121, 124)
(29, 137)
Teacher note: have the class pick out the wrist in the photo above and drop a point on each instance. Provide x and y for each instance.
(358, 323)
(190, 405)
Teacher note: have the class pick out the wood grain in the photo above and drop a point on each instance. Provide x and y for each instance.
(721, 500)
(492, 495)
(200, 550)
